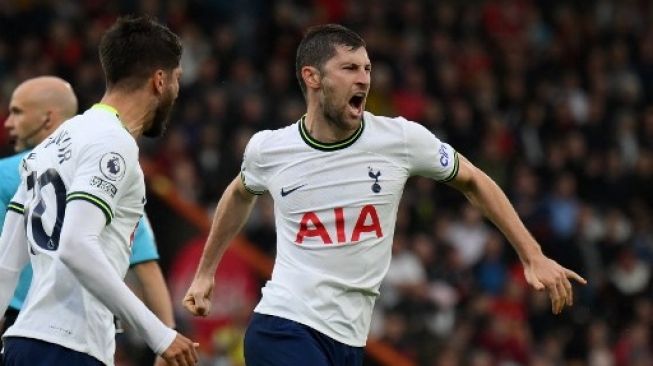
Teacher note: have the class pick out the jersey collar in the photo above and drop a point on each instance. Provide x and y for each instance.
(110, 109)
(329, 146)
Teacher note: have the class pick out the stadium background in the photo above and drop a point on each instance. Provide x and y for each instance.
(553, 99)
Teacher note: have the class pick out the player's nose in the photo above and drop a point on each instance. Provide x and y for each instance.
(363, 78)
(9, 123)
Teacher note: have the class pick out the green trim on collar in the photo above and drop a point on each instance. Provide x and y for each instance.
(107, 108)
(110, 109)
(329, 146)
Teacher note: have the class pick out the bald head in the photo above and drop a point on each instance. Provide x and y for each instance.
(38, 106)
(50, 92)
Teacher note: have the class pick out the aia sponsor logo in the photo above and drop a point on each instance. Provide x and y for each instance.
(367, 221)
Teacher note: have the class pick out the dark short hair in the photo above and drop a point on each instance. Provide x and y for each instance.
(136, 46)
(319, 45)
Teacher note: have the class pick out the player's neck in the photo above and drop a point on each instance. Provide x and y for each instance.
(320, 129)
(132, 109)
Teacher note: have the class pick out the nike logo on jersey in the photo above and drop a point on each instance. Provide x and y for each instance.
(284, 193)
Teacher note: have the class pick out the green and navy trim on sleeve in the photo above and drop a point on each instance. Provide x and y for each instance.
(454, 172)
(16, 207)
(106, 209)
(330, 146)
(242, 179)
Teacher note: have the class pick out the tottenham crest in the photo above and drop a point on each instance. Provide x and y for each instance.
(112, 166)
(376, 187)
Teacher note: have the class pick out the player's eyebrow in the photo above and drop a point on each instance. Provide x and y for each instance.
(357, 65)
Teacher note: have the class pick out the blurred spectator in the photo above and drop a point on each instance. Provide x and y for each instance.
(563, 207)
(634, 346)
(598, 345)
(468, 235)
(491, 271)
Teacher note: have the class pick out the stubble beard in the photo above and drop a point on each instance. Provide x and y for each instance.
(161, 118)
(332, 114)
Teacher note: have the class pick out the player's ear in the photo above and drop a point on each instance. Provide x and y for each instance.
(311, 76)
(47, 118)
(159, 81)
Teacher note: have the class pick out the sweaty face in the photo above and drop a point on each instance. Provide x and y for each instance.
(25, 120)
(162, 113)
(345, 83)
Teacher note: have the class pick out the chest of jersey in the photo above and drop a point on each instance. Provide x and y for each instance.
(338, 197)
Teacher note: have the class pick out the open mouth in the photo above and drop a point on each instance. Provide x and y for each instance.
(356, 102)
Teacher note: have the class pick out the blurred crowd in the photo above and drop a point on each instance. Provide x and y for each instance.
(552, 99)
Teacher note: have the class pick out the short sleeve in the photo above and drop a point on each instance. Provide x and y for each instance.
(252, 172)
(104, 170)
(144, 248)
(427, 155)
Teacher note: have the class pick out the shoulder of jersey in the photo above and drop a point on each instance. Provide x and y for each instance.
(390, 127)
(372, 120)
(279, 137)
(96, 126)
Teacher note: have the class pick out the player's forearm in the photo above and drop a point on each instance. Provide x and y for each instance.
(96, 275)
(155, 291)
(8, 282)
(80, 251)
(487, 196)
(231, 214)
(13, 257)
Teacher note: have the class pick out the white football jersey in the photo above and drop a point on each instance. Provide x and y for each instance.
(335, 211)
(90, 157)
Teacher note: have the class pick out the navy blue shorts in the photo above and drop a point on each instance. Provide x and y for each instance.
(274, 341)
(20, 351)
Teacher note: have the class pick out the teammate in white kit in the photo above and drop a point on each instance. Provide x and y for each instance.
(336, 177)
(37, 107)
(77, 207)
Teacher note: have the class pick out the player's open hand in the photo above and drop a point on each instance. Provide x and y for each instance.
(181, 352)
(198, 297)
(543, 273)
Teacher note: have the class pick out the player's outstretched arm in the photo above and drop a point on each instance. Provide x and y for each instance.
(13, 256)
(231, 214)
(80, 251)
(540, 271)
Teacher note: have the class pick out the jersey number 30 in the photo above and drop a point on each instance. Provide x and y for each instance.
(39, 205)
